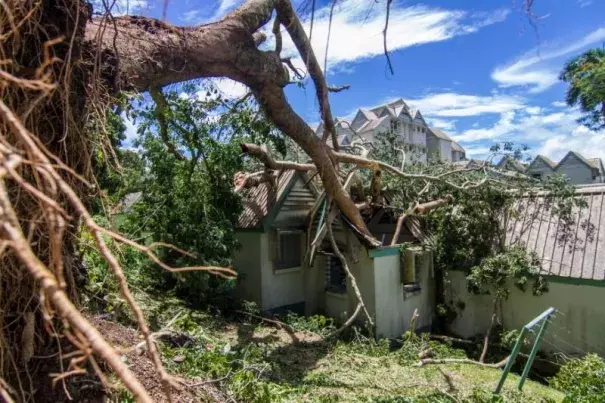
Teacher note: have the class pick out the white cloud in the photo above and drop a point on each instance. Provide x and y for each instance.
(224, 7)
(535, 69)
(450, 104)
(589, 144)
(130, 132)
(122, 7)
(477, 152)
(521, 127)
(191, 15)
(357, 27)
(442, 124)
(584, 3)
(229, 88)
(559, 104)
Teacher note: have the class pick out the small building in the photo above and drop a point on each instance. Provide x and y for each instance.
(282, 269)
(573, 265)
(578, 169)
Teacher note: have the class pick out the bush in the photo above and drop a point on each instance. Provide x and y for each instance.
(582, 380)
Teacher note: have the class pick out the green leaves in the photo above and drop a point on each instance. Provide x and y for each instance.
(582, 380)
(586, 77)
(514, 264)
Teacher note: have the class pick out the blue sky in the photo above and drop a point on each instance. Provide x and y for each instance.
(476, 69)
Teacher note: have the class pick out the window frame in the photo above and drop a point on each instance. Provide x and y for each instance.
(329, 286)
(278, 261)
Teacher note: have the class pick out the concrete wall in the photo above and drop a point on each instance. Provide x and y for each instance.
(260, 282)
(394, 305)
(581, 324)
(341, 306)
(432, 145)
(279, 287)
(457, 156)
(247, 262)
(445, 148)
(577, 171)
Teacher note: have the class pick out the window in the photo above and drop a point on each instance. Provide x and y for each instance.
(394, 126)
(412, 265)
(289, 249)
(336, 276)
(536, 176)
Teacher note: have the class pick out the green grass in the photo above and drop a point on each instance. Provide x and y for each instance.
(265, 364)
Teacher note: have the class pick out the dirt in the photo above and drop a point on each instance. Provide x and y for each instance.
(88, 388)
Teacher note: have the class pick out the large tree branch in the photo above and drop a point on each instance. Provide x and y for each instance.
(155, 54)
(288, 18)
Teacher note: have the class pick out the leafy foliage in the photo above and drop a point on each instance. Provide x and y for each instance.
(179, 183)
(513, 264)
(586, 77)
(582, 380)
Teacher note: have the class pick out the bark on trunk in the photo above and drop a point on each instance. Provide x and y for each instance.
(150, 53)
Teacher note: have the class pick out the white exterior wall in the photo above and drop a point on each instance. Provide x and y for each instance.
(279, 287)
(457, 156)
(581, 324)
(247, 262)
(577, 171)
(445, 148)
(394, 306)
(260, 282)
(341, 306)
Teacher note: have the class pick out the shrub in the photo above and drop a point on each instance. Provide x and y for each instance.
(582, 380)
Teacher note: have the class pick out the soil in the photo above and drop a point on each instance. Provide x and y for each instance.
(88, 388)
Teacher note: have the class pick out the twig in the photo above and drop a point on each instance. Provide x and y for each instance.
(384, 37)
(428, 361)
(343, 262)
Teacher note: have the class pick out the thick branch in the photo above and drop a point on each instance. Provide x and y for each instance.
(419, 209)
(261, 154)
(288, 19)
(161, 109)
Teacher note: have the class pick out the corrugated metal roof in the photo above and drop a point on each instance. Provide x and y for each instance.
(259, 200)
(578, 253)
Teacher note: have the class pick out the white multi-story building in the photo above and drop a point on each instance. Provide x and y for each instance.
(421, 142)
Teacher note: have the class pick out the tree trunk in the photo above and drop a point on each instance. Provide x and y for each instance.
(150, 53)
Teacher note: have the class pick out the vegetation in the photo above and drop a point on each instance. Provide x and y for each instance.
(582, 380)
(586, 77)
(63, 79)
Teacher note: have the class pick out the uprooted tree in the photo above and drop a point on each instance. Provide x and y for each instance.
(60, 68)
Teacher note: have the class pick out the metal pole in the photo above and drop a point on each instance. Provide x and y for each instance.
(533, 353)
(511, 359)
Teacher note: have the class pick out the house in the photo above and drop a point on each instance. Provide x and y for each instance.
(420, 141)
(578, 169)
(281, 268)
(574, 267)
(439, 145)
(510, 164)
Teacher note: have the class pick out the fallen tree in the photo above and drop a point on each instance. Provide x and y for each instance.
(61, 67)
